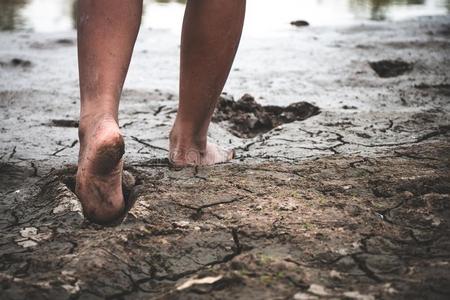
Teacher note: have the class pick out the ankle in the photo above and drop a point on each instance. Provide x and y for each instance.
(183, 139)
(90, 122)
(183, 135)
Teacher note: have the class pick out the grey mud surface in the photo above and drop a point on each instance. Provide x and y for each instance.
(351, 203)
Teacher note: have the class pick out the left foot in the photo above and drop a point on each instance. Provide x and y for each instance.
(99, 176)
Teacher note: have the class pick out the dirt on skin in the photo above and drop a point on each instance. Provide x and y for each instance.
(339, 227)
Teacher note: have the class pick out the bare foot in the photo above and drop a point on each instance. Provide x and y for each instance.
(183, 153)
(99, 175)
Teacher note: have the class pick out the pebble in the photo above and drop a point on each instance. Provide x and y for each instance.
(27, 244)
(357, 296)
(28, 232)
(317, 289)
(304, 296)
(181, 224)
(287, 207)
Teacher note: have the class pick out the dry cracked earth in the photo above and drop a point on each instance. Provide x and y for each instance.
(346, 202)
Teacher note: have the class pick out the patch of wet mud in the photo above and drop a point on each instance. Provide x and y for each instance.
(64, 123)
(246, 118)
(391, 68)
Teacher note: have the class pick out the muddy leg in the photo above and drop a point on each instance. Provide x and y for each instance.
(210, 38)
(107, 30)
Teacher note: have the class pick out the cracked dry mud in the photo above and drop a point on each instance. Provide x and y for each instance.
(351, 203)
(350, 227)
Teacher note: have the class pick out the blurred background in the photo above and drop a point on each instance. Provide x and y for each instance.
(264, 16)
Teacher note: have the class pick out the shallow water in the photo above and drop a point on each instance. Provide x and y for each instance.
(263, 15)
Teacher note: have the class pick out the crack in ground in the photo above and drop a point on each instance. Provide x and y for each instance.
(389, 127)
(148, 145)
(158, 110)
(13, 152)
(441, 131)
(361, 263)
(199, 210)
(400, 154)
(237, 250)
(384, 213)
(65, 147)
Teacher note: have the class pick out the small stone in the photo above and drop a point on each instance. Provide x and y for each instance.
(389, 289)
(29, 232)
(357, 296)
(252, 121)
(342, 251)
(317, 289)
(279, 128)
(356, 244)
(435, 221)
(335, 274)
(69, 273)
(72, 289)
(27, 244)
(304, 296)
(299, 23)
(181, 224)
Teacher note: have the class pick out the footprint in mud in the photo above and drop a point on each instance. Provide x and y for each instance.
(129, 182)
(391, 68)
(16, 63)
(246, 118)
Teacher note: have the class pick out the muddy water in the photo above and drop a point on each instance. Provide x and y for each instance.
(263, 15)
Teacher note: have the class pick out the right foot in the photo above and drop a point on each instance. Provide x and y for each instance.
(188, 153)
(99, 175)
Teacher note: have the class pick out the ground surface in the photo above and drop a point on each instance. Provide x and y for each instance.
(352, 202)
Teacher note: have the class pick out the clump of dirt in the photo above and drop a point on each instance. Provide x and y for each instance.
(299, 23)
(246, 118)
(391, 68)
(16, 62)
(68, 42)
